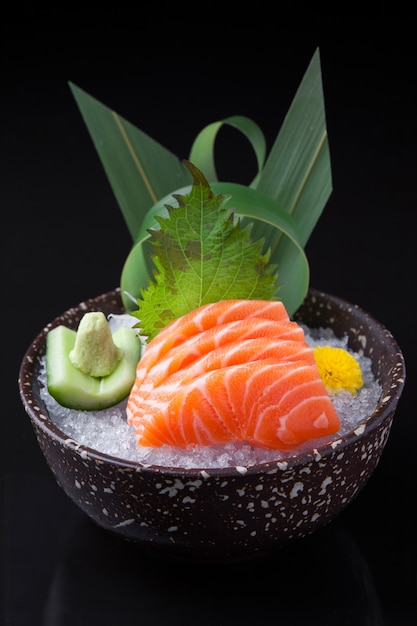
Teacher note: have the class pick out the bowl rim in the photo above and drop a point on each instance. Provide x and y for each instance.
(39, 416)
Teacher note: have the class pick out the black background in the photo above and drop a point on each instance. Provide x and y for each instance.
(64, 240)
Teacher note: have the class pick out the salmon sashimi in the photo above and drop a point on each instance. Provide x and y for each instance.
(211, 316)
(227, 336)
(249, 376)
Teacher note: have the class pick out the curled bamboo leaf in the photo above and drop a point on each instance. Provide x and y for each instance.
(202, 150)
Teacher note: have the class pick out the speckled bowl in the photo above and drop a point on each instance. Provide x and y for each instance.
(224, 513)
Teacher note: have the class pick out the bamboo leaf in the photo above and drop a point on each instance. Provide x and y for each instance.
(292, 187)
(297, 173)
(139, 169)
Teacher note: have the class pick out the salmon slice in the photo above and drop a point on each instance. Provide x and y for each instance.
(216, 341)
(288, 405)
(253, 379)
(211, 316)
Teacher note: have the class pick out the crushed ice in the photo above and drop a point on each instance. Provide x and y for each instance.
(108, 431)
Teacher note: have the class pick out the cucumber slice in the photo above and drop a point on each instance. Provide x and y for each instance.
(73, 388)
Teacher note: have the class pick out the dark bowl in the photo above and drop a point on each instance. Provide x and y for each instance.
(231, 513)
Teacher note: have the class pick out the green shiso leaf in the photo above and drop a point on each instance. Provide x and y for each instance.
(202, 255)
(289, 191)
(252, 205)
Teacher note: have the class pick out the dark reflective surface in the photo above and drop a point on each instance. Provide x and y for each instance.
(57, 567)
(329, 574)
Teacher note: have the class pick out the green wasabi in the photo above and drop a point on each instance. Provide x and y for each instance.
(94, 351)
(91, 368)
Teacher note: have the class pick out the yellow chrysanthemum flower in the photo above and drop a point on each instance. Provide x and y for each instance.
(338, 369)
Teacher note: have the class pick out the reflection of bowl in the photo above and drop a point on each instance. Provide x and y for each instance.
(223, 513)
(176, 593)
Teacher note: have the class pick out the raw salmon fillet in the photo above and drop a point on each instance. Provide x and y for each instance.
(234, 370)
